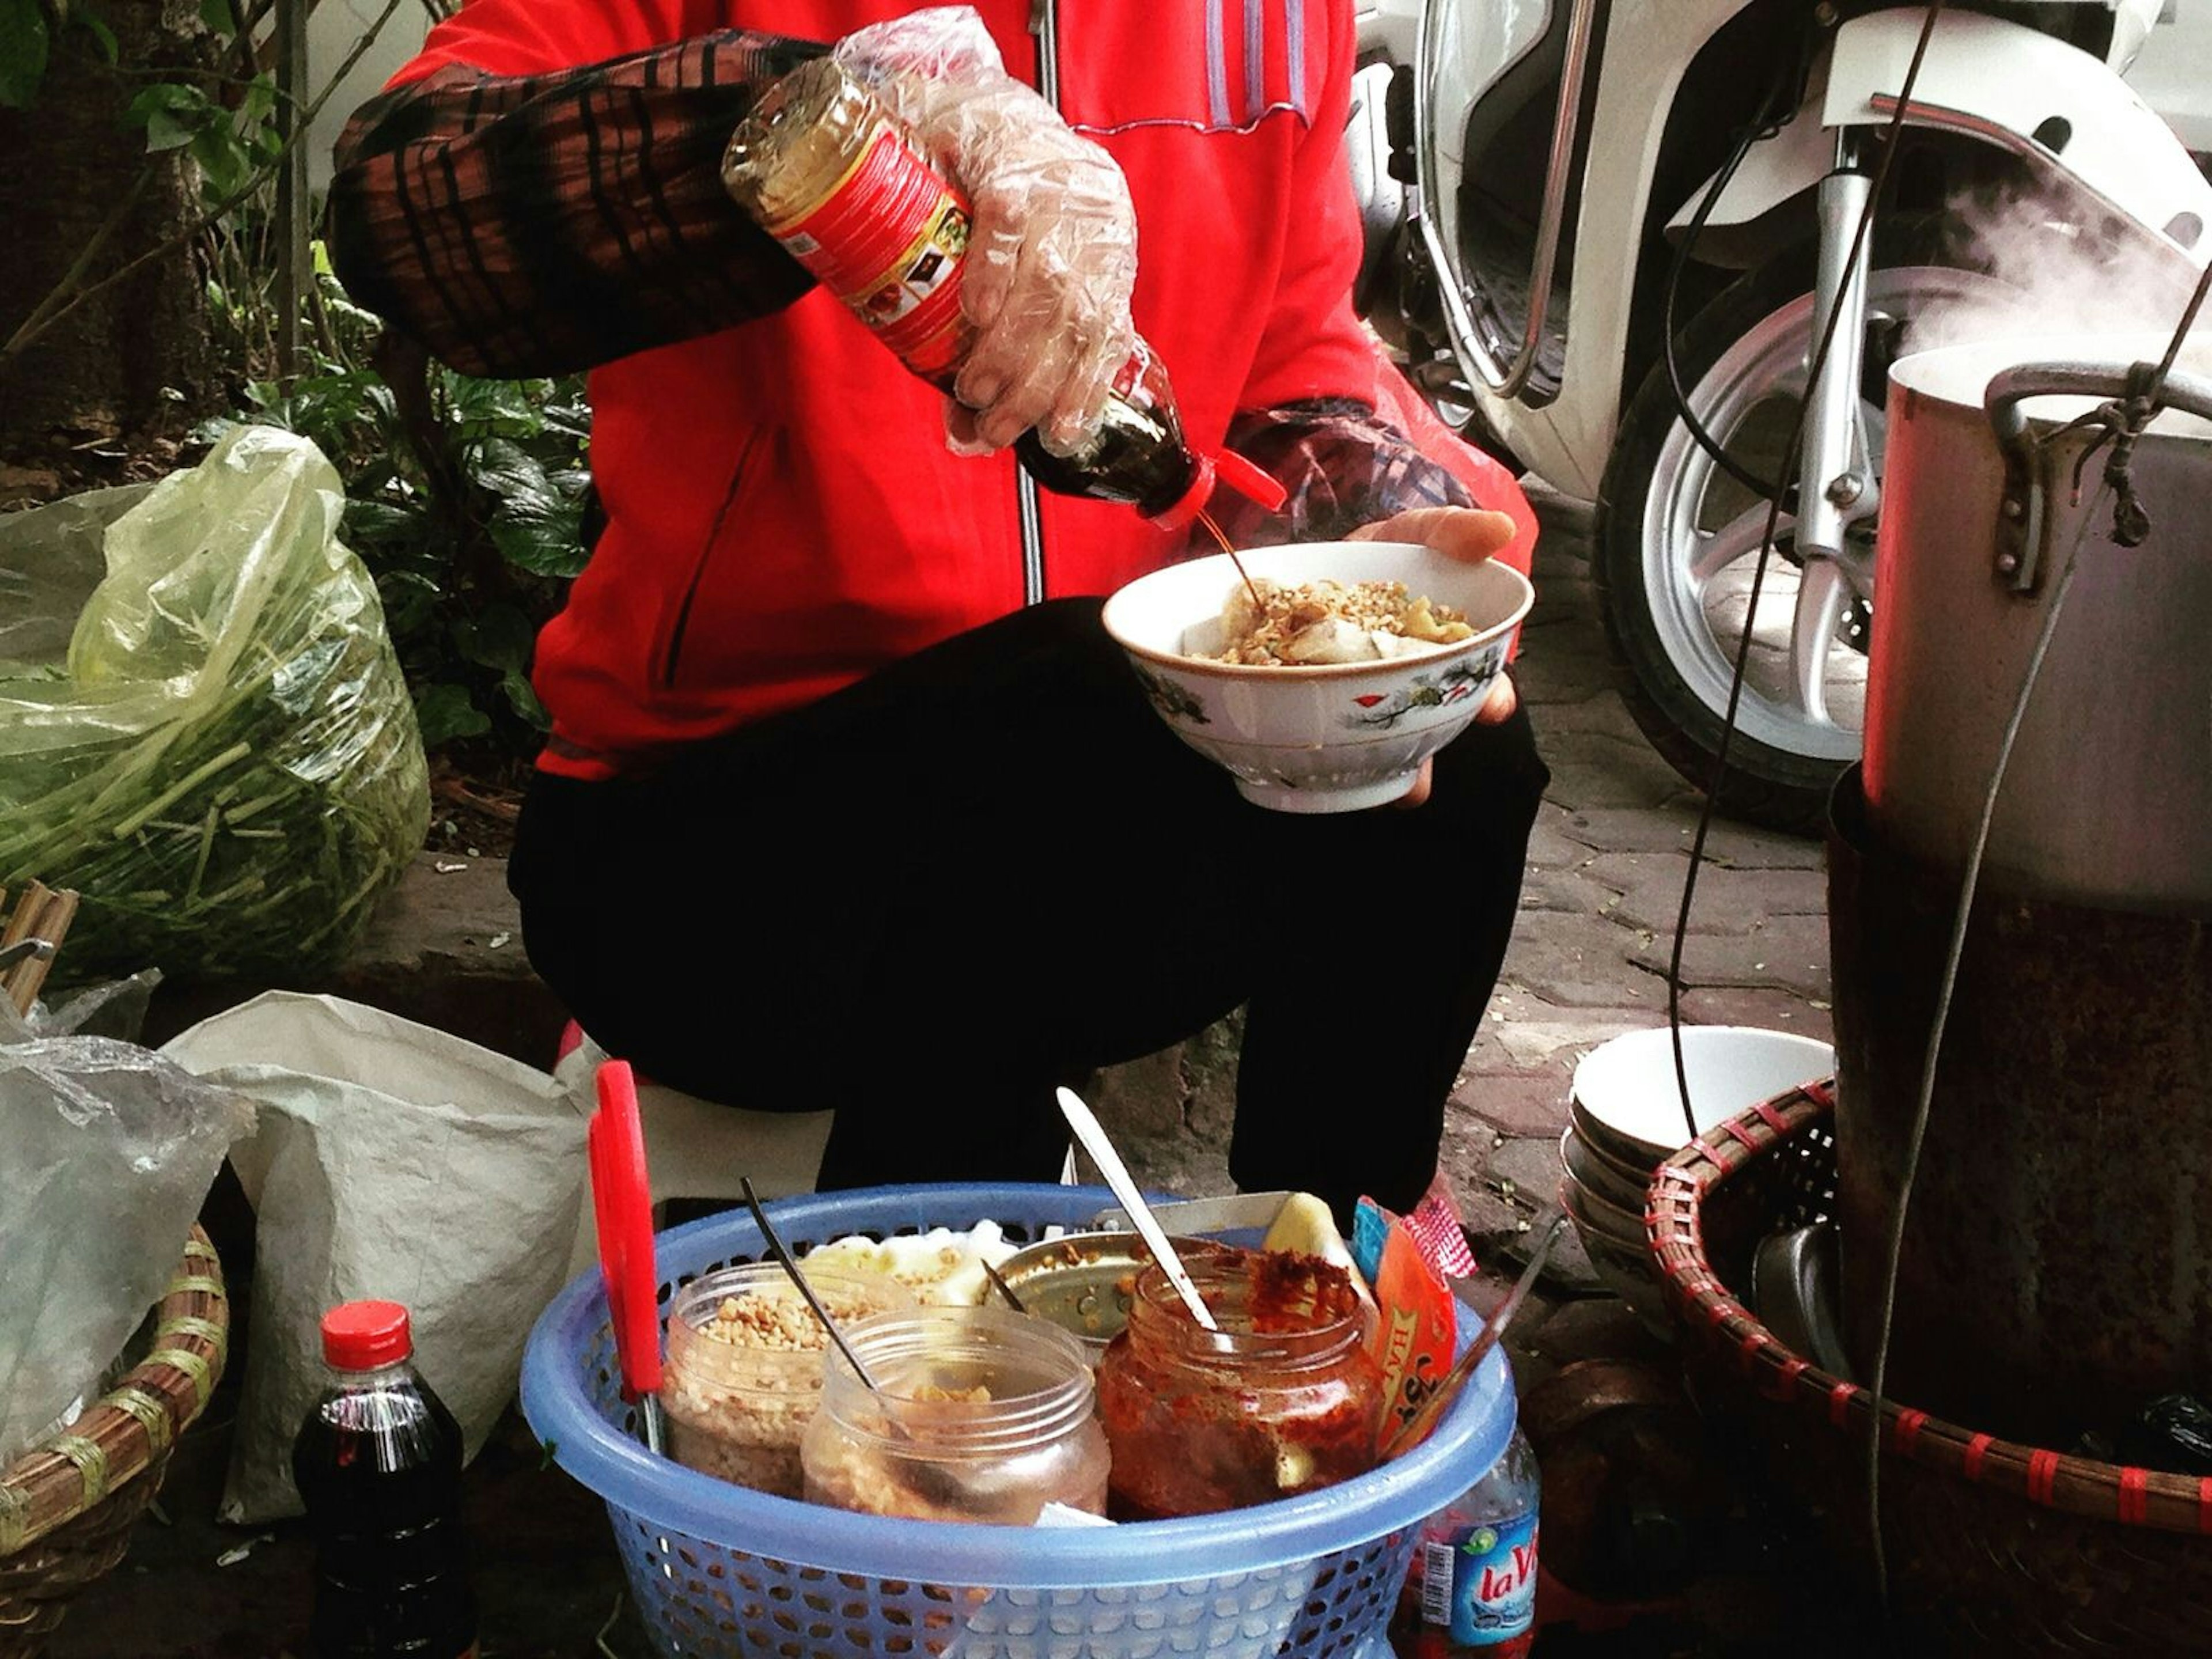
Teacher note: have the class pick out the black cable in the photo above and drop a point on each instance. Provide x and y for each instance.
(1956, 951)
(1818, 361)
(1761, 124)
(1947, 983)
(2180, 335)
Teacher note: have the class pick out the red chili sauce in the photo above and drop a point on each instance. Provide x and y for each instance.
(1285, 1399)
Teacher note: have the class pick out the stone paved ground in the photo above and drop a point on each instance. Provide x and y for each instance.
(1588, 960)
(1599, 905)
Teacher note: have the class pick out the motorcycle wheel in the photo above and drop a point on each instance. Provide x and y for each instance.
(1677, 541)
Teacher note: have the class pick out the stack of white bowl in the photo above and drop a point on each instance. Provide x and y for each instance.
(1625, 1119)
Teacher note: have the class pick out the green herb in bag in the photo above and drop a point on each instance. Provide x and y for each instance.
(225, 762)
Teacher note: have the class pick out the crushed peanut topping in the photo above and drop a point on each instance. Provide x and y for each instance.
(1327, 622)
(937, 1394)
(781, 1320)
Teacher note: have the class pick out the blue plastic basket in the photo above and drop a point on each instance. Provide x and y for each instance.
(719, 1570)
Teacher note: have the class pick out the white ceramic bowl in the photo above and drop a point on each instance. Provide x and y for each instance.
(1594, 1213)
(1598, 1173)
(1322, 739)
(1627, 1103)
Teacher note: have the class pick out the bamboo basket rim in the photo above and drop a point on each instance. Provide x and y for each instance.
(135, 1423)
(1710, 1314)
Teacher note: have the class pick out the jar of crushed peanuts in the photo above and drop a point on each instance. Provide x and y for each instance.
(1283, 1399)
(980, 1415)
(744, 1376)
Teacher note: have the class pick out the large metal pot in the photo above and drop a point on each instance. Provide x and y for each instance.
(2054, 1267)
(2108, 798)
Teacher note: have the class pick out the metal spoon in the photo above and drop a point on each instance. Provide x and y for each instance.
(790, 1267)
(26, 950)
(1005, 1290)
(1089, 1131)
(930, 1480)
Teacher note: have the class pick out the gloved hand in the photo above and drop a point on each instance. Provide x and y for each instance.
(1053, 255)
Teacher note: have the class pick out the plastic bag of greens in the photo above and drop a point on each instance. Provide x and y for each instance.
(222, 759)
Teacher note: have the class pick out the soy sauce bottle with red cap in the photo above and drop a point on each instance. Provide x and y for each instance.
(828, 170)
(379, 1463)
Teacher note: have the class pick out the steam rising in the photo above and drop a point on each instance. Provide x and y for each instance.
(2050, 274)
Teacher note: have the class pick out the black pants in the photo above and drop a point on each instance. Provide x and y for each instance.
(929, 898)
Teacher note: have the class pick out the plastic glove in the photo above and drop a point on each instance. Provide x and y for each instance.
(1053, 253)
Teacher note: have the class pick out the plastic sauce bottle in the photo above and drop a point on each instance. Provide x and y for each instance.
(830, 172)
(1473, 1587)
(378, 1464)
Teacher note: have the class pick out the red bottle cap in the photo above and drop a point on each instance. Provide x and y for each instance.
(1229, 469)
(360, 1336)
(1249, 481)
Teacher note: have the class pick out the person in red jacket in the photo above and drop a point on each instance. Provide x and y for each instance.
(848, 800)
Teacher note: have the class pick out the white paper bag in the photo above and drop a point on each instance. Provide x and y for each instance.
(392, 1161)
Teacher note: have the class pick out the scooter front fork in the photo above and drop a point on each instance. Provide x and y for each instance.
(1836, 486)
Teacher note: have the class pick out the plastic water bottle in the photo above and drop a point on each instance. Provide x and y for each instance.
(1472, 1586)
(378, 1464)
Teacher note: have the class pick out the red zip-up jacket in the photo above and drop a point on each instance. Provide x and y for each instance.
(539, 191)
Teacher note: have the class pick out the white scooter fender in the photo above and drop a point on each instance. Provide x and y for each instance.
(2053, 106)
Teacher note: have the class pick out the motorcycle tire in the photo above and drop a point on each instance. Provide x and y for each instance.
(1672, 662)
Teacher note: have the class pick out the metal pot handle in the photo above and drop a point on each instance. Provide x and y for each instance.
(2011, 387)
(2024, 516)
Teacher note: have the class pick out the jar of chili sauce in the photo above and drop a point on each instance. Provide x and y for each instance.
(1283, 1399)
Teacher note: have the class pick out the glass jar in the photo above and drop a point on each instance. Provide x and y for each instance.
(744, 1376)
(983, 1415)
(1283, 1399)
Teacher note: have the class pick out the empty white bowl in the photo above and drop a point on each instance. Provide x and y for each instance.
(1592, 1212)
(1597, 1173)
(1627, 1103)
(1329, 739)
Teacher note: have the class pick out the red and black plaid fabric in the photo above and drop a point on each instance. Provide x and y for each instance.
(1343, 466)
(525, 225)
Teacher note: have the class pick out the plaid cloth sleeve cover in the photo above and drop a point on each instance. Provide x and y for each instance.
(1343, 466)
(534, 224)
(537, 224)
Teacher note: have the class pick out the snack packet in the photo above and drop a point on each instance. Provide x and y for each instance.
(1413, 1340)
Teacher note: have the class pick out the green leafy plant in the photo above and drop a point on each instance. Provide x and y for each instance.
(465, 497)
(28, 30)
(231, 142)
(227, 121)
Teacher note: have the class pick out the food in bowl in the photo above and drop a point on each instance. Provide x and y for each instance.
(1329, 736)
(1271, 624)
(1084, 1283)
